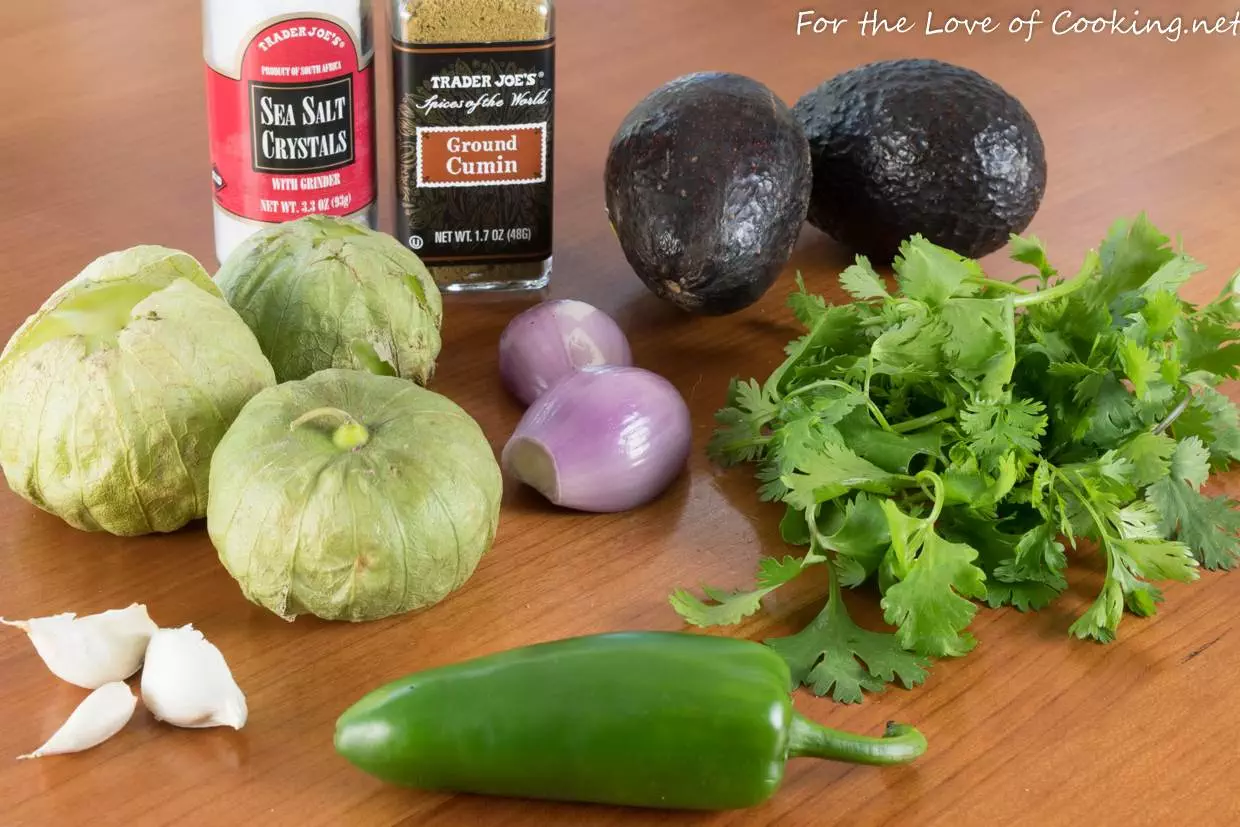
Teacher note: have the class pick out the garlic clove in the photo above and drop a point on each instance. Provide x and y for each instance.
(93, 650)
(102, 714)
(187, 683)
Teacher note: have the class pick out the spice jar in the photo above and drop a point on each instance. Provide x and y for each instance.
(474, 104)
(290, 104)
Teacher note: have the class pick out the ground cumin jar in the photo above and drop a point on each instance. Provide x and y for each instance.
(474, 103)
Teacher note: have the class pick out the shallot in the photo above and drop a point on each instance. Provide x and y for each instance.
(542, 345)
(604, 439)
(93, 650)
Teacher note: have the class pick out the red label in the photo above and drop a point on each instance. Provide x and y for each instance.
(292, 135)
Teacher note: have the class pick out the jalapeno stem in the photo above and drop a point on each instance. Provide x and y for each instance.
(349, 434)
(809, 739)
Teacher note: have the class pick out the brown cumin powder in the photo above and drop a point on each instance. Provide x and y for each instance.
(475, 21)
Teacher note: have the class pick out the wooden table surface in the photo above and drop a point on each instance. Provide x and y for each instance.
(103, 145)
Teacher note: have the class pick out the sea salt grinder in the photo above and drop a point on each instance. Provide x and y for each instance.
(290, 111)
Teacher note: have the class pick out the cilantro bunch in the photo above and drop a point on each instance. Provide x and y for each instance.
(949, 441)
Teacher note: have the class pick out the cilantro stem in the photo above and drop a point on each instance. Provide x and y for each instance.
(924, 421)
(939, 494)
(834, 383)
(1064, 288)
(1002, 286)
(869, 374)
(817, 542)
(1104, 538)
(835, 597)
(1170, 419)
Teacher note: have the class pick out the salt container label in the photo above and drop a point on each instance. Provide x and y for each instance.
(291, 131)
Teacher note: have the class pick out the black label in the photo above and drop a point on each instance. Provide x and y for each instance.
(301, 127)
(473, 150)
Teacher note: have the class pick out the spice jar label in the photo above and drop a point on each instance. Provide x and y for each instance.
(480, 156)
(291, 124)
(474, 143)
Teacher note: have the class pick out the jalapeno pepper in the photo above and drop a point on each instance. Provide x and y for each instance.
(645, 719)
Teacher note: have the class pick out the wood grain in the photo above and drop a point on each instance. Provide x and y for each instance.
(103, 145)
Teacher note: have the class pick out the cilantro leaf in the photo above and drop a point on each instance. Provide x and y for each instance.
(966, 484)
(1112, 416)
(1030, 250)
(860, 537)
(1172, 275)
(1221, 361)
(1139, 366)
(890, 451)
(1112, 471)
(1131, 254)
(832, 655)
(995, 428)
(1083, 379)
(1102, 618)
(1152, 559)
(1150, 455)
(915, 344)
(1139, 520)
(808, 308)
(1034, 577)
(1068, 298)
(906, 533)
(1160, 313)
(1130, 535)
(827, 405)
(1191, 462)
(1212, 531)
(930, 605)
(981, 345)
(836, 329)
(861, 281)
(831, 472)
(742, 437)
(1207, 525)
(933, 274)
(1161, 559)
(1207, 342)
(802, 435)
(1214, 419)
(730, 607)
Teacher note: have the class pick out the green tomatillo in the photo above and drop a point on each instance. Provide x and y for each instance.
(352, 496)
(323, 292)
(114, 394)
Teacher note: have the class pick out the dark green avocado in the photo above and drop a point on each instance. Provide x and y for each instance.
(902, 147)
(707, 184)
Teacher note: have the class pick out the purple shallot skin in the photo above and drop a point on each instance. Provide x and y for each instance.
(551, 340)
(604, 439)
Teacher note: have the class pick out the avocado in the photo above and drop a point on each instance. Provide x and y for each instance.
(707, 185)
(911, 146)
